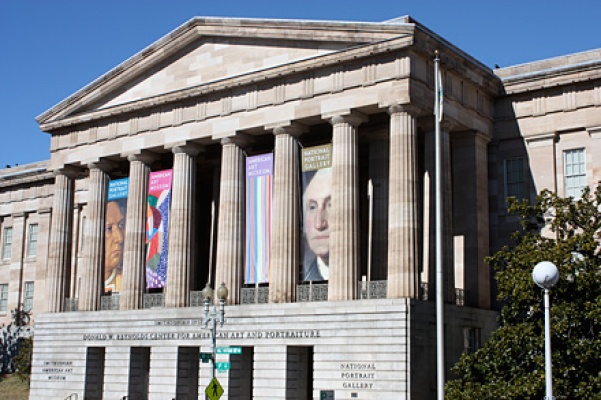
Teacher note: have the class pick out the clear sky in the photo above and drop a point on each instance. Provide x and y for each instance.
(49, 49)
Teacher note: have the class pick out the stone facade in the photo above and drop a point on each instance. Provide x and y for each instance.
(212, 93)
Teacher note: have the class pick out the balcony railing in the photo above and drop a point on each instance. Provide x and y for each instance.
(71, 304)
(109, 302)
(306, 292)
(312, 292)
(255, 295)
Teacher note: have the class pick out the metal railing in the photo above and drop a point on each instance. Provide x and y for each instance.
(312, 292)
(255, 295)
(306, 292)
(71, 304)
(109, 302)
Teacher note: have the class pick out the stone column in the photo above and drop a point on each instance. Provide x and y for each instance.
(92, 269)
(181, 226)
(133, 285)
(403, 276)
(284, 257)
(344, 224)
(18, 254)
(230, 226)
(470, 167)
(60, 241)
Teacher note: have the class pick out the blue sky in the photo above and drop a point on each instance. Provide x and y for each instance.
(49, 49)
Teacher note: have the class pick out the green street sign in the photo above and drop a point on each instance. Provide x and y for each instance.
(326, 395)
(205, 357)
(229, 350)
(222, 366)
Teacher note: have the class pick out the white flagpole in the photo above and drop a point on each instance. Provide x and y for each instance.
(440, 364)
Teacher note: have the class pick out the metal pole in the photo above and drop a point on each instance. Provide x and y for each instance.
(213, 343)
(440, 368)
(548, 372)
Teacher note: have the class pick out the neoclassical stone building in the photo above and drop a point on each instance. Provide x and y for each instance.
(204, 106)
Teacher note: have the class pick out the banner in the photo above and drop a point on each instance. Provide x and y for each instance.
(259, 178)
(157, 228)
(114, 231)
(316, 163)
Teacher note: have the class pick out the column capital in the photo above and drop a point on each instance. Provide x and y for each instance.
(190, 148)
(70, 171)
(239, 139)
(102, 164)
(411, 109)
(288, 127)
(448, 125)
(144, 156)
(352, 117)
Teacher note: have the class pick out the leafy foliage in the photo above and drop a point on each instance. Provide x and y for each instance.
(511, 364)
(23, 359)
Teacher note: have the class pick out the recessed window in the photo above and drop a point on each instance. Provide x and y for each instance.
(574, 172)
(515, 180)
(3, 297)
(32, 240)
(7, 241)
(28, 300)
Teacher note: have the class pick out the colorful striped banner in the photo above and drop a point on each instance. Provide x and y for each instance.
(157, 228)
(259, 181)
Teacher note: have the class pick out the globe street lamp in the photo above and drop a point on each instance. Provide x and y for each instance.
(546, 275)
(211, 318)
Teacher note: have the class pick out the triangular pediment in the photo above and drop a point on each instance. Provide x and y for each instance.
(213, 59)
(208, 50)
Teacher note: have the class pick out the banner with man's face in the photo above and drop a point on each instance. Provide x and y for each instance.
(157, 228)
(316, 163)
(114, 233)
(259, 181)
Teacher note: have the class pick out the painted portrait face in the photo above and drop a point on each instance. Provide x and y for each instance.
(114, 237)
(318, 202)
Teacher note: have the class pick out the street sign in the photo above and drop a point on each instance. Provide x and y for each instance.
(222, 366)
(229, 350)
(205, 357)
(214, 390)
(326, 395)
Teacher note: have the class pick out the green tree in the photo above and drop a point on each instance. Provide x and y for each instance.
(511, 364)
(23, 359)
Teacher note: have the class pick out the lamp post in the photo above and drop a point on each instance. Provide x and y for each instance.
(211, 318)
(546, 275)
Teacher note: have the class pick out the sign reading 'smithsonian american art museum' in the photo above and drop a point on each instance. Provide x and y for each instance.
(157, 228)
(259, 178)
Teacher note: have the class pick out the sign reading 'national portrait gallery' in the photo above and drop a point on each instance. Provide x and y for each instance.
(317, 200)
(114, 233)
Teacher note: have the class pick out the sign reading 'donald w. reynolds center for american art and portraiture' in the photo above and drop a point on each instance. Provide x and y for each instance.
(157, 227)
(259, 173)
(116, 214)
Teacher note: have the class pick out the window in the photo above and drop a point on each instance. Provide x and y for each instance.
(472, 339)
(3, 297)
(515, 182)
(28, 301)
(574, 172)
(7, 241)
(32, 240)
(82, 235)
